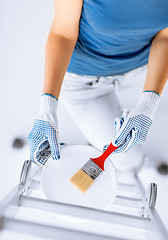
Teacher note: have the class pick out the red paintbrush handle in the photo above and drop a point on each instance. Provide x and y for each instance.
(100, 160)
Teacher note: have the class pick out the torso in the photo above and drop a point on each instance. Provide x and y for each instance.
(116, 34)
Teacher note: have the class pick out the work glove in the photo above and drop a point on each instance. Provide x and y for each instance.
(132, 128)
(44, 134)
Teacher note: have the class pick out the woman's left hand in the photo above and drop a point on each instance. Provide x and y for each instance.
(132, 128)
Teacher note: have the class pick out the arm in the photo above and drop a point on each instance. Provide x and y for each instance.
(133, 127)
(60, 44)
(158, 63)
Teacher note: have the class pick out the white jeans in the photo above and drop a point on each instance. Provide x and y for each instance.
(94, 103)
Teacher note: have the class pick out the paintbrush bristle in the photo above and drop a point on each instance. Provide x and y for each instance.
(81, 180)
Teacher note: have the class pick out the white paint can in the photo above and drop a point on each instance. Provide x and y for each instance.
(55, 177)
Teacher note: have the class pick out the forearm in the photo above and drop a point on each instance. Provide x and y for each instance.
(58, 54)
(157, 74)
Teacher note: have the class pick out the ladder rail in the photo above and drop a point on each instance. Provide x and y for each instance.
(154, 216)
(12, 199)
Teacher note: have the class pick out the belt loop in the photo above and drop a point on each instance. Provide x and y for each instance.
(98, 79)
(116, 83)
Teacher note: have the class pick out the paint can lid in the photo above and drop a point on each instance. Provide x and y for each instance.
(55, 177)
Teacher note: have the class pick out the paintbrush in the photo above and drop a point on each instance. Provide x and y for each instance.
(91, 170)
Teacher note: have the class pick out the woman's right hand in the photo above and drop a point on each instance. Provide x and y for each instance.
(44, 133)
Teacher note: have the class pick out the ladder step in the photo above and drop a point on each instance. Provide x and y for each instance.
(84, 212)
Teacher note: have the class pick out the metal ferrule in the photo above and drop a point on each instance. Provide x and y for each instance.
(92, 169)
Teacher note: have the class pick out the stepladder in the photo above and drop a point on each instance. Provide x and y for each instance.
(25, 212)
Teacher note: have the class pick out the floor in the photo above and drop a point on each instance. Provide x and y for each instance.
(24, 30)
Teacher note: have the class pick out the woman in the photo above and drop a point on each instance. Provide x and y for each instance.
(92, 45)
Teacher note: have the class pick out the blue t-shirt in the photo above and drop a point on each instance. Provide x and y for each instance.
(115, 35)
